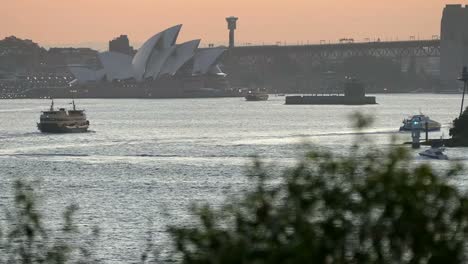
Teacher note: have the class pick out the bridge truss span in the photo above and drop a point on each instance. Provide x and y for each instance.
(393, 50)
(302, 67)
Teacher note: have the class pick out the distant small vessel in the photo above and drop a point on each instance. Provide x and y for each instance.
(63, 121)
(256, 96)
(419, 122)
(434, 153)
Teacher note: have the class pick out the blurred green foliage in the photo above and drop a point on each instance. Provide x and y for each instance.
(25, 239)
(369, 206)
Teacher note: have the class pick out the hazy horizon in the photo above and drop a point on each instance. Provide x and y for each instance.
(94, 22)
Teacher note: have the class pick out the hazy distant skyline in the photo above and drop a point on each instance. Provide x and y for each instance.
(94, 22)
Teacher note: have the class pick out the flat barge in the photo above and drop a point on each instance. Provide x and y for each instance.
(354, 94)
(329, 100)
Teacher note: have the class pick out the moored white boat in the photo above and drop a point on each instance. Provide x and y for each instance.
(420, 122)
(434, 153)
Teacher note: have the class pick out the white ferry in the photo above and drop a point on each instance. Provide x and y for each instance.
(63, 121)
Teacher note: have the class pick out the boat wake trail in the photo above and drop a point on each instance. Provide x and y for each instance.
(20, 135)
(153, 156)
(301, 138)
(46, 155)
(351, 133)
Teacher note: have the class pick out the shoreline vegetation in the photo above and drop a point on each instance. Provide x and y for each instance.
(459, 131)
(370, 206)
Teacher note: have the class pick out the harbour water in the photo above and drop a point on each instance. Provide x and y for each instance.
(145, 161)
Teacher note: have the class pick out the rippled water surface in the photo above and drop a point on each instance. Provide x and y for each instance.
(146, 161)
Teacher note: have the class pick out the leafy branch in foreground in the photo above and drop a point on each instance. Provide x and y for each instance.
(366, 207)
(25, 239)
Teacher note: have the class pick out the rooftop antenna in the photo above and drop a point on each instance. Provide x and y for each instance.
(464, 79)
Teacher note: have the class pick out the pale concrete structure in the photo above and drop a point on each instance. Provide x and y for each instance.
(454, 44)
(158, 56)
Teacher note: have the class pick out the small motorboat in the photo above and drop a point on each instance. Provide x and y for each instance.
(434, 153)
(420, 122)
(256, 96)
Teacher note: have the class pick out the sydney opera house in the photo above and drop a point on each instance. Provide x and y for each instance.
(159, 69)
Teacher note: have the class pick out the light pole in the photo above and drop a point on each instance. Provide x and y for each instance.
(464, 79)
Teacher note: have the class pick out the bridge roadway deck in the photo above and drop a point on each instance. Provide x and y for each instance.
(392, 49)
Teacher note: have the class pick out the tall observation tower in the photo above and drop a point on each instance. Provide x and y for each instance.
(232, 24)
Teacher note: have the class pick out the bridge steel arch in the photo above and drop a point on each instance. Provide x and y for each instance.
(273, 63)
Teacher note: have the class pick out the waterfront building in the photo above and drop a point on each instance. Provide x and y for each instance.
(121, 44)
(161, 68)
(61, 57)
(158, 58)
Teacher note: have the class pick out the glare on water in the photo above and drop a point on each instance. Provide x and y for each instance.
(150, 159)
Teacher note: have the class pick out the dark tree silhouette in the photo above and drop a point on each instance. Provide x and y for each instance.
(459, 130)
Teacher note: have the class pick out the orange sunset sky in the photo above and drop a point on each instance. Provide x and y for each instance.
(94, 22)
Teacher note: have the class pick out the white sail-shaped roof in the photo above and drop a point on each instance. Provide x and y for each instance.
(84, 75)
(156, 62)
(183, 53)
(142, 55)
(205, 59)
(158, 56)
(117, 66)
(156, 43)
(170, 35)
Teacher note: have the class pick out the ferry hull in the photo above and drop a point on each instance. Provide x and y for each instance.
(54, 128)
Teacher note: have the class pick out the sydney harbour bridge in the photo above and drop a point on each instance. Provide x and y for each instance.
(299, 67)
(433, 62)
(392, 49)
